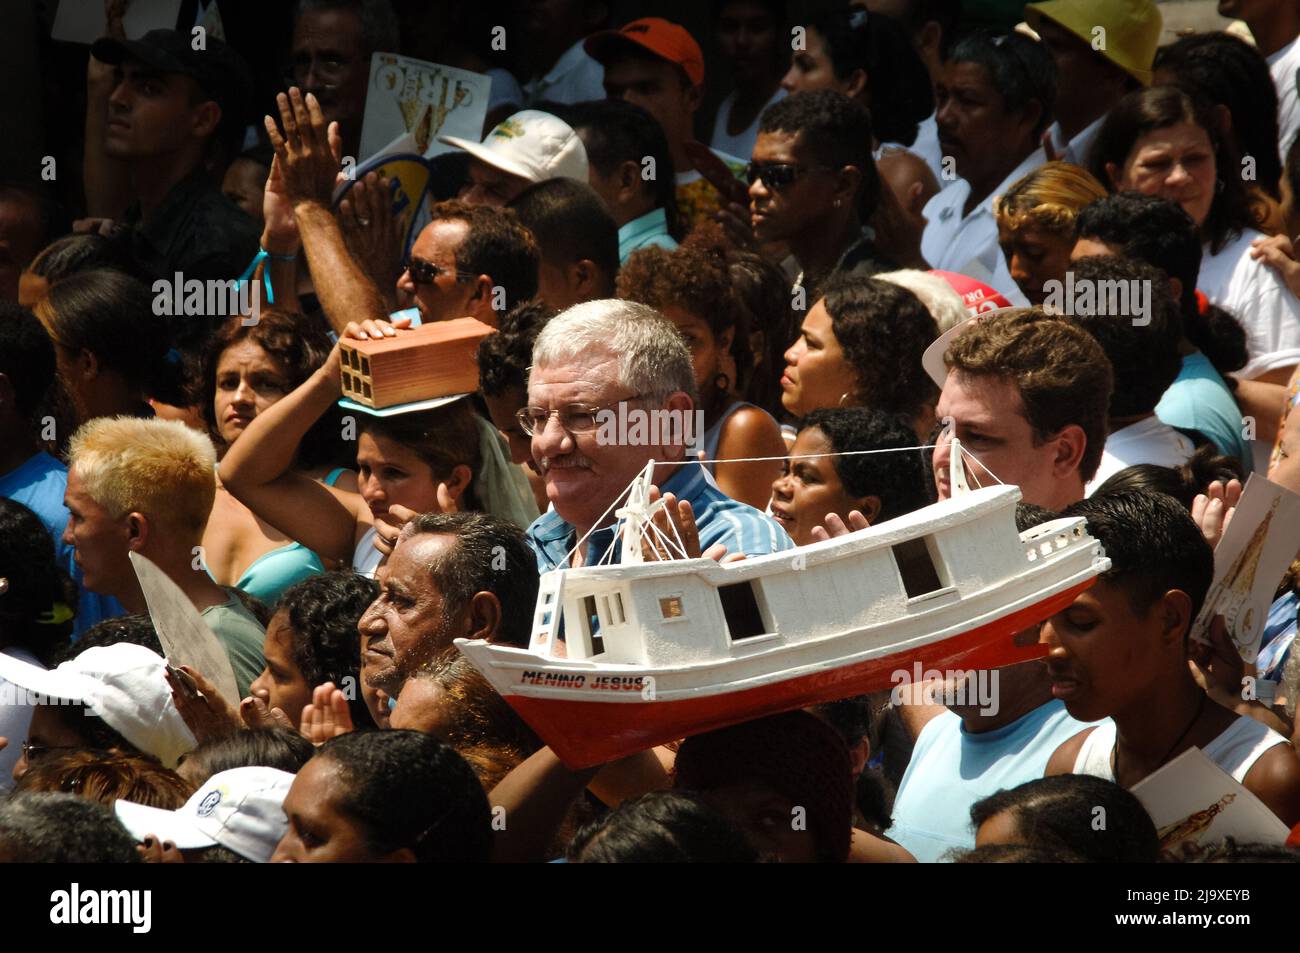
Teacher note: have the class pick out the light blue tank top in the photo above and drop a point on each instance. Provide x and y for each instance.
(951, 769)
(270, 574)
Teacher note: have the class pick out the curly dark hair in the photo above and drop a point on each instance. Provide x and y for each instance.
(1159, 232)
(37, 583)
(323, 611)
(298, 345)
(497, 245)
(883, 330)
(505, 355)
(695, 277)
(763, 297)
(1226, 70)
(837, 131)
(1144, 357)
(897, 479)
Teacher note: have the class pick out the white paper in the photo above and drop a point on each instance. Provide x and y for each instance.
(1195, 804)
(83, 21)
(1249, 562)
(185, 637)
(424, 100)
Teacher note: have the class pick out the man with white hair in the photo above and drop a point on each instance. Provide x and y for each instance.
(147, 486)
(606, 375)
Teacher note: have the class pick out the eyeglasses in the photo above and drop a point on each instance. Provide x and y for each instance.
(426, 272)
(778, 175)
(33, 751)
(574, 418)
(330, 71)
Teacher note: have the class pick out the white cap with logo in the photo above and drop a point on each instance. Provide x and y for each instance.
(241, 809)
(531, 144)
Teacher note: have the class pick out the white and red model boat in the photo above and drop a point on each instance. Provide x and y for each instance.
(626, 656)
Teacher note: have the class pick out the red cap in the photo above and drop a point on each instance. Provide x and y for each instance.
(666, 40)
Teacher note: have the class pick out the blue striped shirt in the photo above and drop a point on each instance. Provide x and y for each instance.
(720, 519)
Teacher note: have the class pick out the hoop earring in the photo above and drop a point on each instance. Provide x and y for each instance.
(722, 382)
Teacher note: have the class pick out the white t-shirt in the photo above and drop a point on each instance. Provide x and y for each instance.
(927, 147)
(1258, 297)
(1147, 441)
(742, 143)
(969, 245)
(575, 78)
(1283, 66)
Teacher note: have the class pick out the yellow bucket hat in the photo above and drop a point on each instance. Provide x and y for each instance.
(1132, 29)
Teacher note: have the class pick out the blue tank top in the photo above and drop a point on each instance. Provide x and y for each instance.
(270, 574)
(952, 768)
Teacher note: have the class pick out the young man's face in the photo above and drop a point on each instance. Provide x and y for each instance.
(100, 542)
(975, 127)
(988, 417)
(152, 113)
(658, 87)
(778, 213)
(1104, 656)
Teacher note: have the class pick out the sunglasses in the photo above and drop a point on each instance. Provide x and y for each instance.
(426, 272)
(777, 175)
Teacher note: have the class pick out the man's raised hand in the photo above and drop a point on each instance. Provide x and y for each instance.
(309, 151)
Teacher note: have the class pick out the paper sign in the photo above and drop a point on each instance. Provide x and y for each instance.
(186, 638)
(1195, 804)
(406, 96)
(1249, 562)
(83, 21)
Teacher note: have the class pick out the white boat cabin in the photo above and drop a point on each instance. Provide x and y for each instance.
(678, 612)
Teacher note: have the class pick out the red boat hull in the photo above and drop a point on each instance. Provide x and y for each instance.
(586, 733)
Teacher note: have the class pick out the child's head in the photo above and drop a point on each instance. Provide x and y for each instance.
(1129, 630)
(378, 796)
(783, 780)
(880, 485)
(658, 828)
(1093, 818)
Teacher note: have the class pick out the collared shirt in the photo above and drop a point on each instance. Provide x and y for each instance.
(650, 229)
(926, 145)
(969, 244)
(720, 519)
(1077, 149)
(575, 78)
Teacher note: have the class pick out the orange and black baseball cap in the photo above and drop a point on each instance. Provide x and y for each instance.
(653, 35)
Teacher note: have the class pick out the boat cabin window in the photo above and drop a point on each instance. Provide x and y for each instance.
(591, 625)
(740, 608)
(614, 609)
(916, 566)
(670, 607)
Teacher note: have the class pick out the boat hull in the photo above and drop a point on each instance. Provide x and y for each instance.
(585, 733)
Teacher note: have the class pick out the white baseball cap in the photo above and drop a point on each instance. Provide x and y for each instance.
(124, 684)
(531, 144)
(241, 809)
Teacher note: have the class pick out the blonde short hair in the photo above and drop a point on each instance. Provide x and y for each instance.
(1049, 198)
(160, 468)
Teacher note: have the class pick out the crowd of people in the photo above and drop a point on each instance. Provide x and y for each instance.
(776, 264)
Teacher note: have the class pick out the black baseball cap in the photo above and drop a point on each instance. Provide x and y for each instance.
(218, 69)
